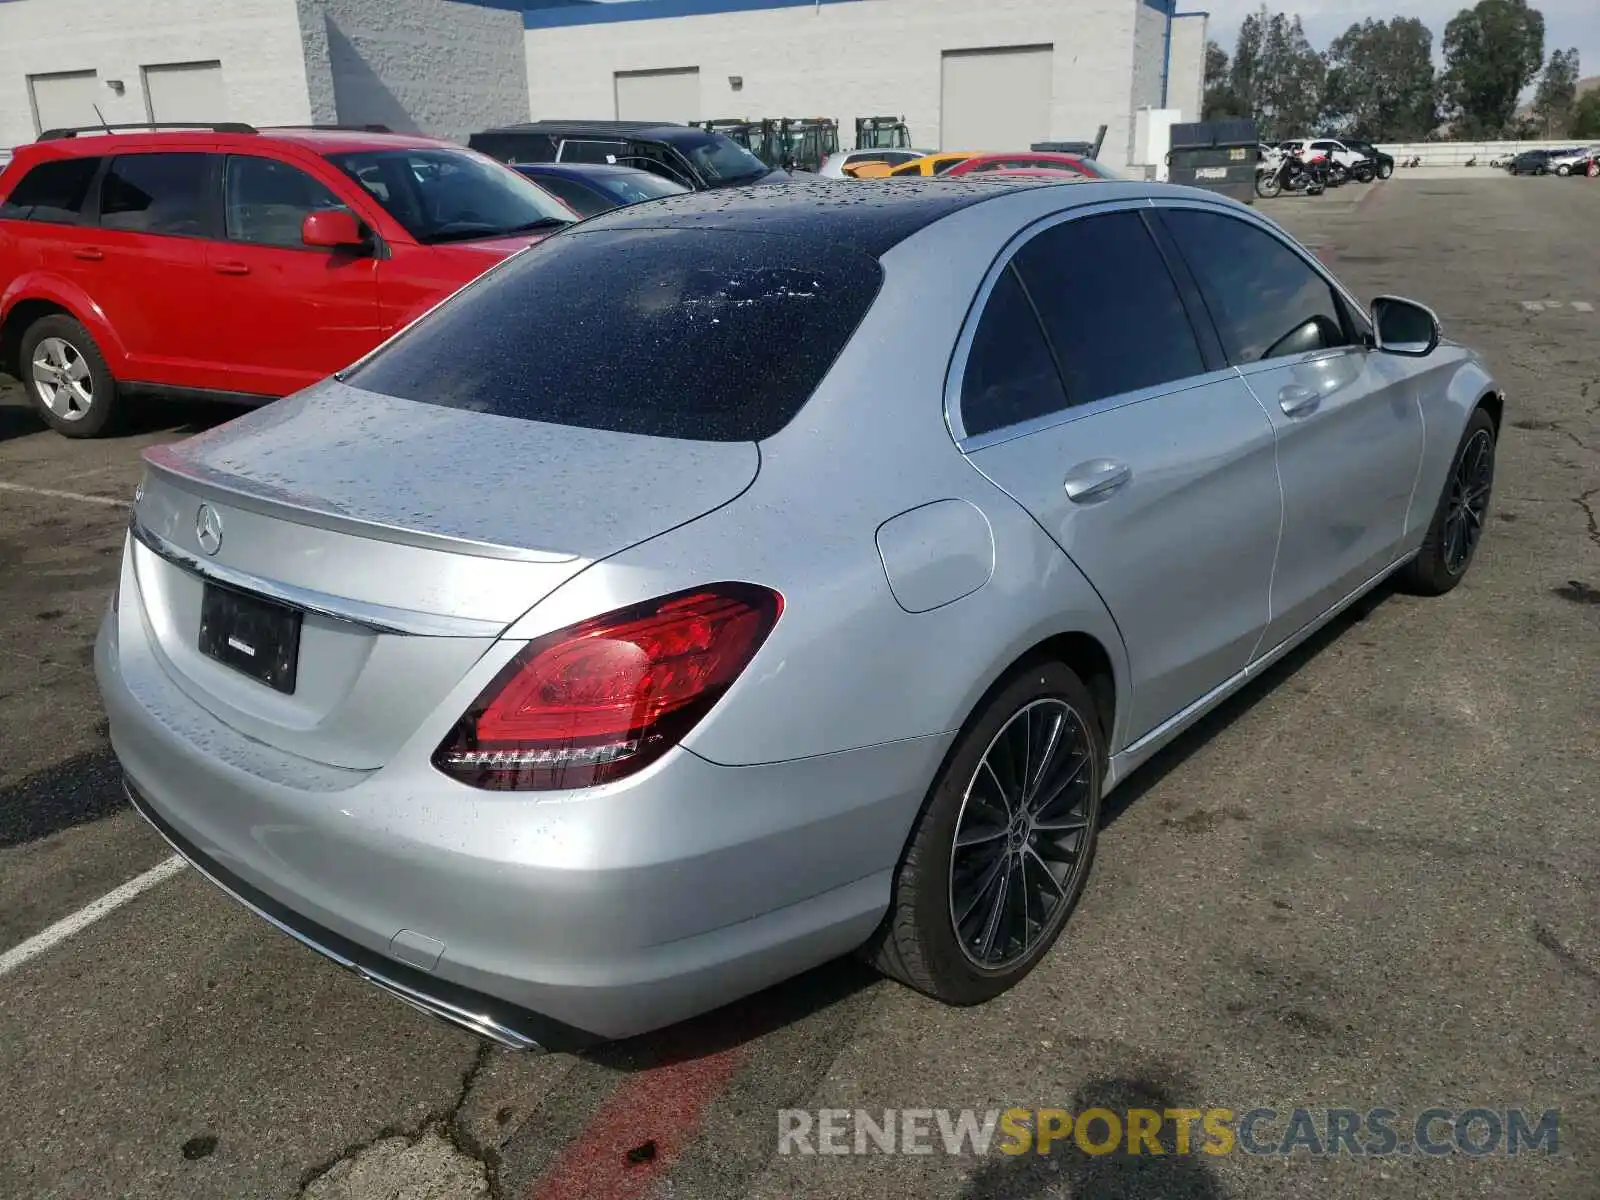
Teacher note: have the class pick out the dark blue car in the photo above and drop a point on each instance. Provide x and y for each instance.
(590, 188)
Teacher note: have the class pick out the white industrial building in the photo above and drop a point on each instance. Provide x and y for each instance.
(964, 74)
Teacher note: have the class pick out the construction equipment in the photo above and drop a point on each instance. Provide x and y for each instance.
(882, 133)
(803, 142)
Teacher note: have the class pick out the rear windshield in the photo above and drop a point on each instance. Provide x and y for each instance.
(709, 335)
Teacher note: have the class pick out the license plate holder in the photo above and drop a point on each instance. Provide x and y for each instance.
(256, 637)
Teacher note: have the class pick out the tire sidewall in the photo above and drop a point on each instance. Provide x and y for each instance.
(962, 981)
(71, 331)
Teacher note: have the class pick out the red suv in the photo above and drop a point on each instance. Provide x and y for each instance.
(235, 262)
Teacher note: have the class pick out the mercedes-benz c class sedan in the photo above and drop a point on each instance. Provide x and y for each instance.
(619, 638)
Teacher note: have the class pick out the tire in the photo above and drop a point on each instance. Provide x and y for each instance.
(1267, 185)
(1442, 562)
(84, 401)
(1385, 170)
(918, 943)
(1563, 170)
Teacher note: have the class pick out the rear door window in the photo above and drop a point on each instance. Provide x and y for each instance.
(159, 193)
(1010, 376)
(709, 335)
(1109, 306)
(52, 191)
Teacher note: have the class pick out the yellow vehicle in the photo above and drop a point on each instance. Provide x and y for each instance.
(934, 164)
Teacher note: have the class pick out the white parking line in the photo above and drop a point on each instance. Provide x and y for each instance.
(88, 914)
(54, 494)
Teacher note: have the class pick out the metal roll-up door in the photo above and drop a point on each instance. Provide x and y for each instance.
(995, 99)
(667, 95)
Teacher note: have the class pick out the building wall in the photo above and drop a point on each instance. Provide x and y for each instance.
(1149, 57)
(257, 42)
(441, 67)
(838, 58)
(1186, 78)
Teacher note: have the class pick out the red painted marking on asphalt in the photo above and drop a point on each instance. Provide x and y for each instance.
(662, 1104)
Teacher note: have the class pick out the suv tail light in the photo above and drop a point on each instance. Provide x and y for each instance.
(601, 699)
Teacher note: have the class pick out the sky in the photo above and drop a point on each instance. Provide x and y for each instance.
(1566, 22)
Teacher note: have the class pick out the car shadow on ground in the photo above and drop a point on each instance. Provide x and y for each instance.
(1174, 755)
(85, 788)
(143, 415)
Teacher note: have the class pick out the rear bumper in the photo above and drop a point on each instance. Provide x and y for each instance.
(548, 920)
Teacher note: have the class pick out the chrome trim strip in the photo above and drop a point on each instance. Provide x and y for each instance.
(478, 1023)
(379, 618)
(1131, 756)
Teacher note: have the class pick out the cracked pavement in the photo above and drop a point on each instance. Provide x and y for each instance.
(1370, 880)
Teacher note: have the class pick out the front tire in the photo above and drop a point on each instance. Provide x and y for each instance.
(1267, 185)
(1002, 850)
(67, 379)
(1385, 170)
(1563, 170)
(1460, 516)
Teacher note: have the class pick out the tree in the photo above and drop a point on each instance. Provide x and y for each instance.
(1276, 77)
(1491, 52)
(1558, 92)
(1380, 82)
(1586, 116)
(1219, 99)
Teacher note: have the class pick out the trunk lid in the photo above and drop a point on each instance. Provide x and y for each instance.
(408, 535)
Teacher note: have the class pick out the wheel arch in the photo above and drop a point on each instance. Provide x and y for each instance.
(30, 298)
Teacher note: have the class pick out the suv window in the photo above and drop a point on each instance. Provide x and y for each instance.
(576, 151)
(578, 197)
(443, 195)
(158, 193)
(700, 334)
(1109, 306)
(51, 191)
(1010, 376)
(1266, 300)
(266, 201)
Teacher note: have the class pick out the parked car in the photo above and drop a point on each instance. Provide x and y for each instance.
(844, 164)
(1346, 154)
(592, 188)
(686, 154)
(235, 262)
(1530, 162)
(1573, 162)
(933, 164)
(1030, 160)
(621, 639)
(1383, 164)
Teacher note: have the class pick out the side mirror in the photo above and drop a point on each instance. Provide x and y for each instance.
(333, 229)
(1404, 327)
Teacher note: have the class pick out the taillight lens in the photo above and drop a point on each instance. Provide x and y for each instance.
(601, 699)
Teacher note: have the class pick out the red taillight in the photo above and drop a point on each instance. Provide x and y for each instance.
(599, 700)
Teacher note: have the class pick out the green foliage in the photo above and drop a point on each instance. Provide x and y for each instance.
(1380, 81)
(1219, 102)
(1586, 116)
(1491, 51)
(1558, 92)
(1276, 77)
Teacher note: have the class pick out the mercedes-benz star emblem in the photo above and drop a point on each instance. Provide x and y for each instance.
(208, 529)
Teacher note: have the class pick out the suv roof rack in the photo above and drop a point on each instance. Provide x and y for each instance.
(369, 127)
(71, 131)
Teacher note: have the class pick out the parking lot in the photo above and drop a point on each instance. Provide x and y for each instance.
(1369, 881)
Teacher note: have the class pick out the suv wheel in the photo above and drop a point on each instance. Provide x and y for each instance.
(67, 378)
(1563, 169)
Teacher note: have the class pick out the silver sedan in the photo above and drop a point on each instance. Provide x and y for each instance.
(739, 581)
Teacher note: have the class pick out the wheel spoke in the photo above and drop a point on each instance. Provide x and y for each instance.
(1048, 757)
(1045, 800)
(1044, 869)
(78, 369)
(985, 883)
(999, 787)
(976, 835)
(997, 909)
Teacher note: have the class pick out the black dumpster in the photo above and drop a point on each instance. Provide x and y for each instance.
(1219, 156)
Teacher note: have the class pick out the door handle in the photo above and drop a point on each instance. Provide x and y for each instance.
(1295, 399)
(89, 253)
(233, 268)
(1095, 478)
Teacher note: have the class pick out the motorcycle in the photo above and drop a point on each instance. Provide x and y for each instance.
(1291, 173)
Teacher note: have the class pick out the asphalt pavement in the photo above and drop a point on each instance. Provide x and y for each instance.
(1370, 881)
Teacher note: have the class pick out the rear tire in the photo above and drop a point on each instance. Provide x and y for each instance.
(67, 379)
(1013, 843)
(1459, 517)
(1563, 170)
